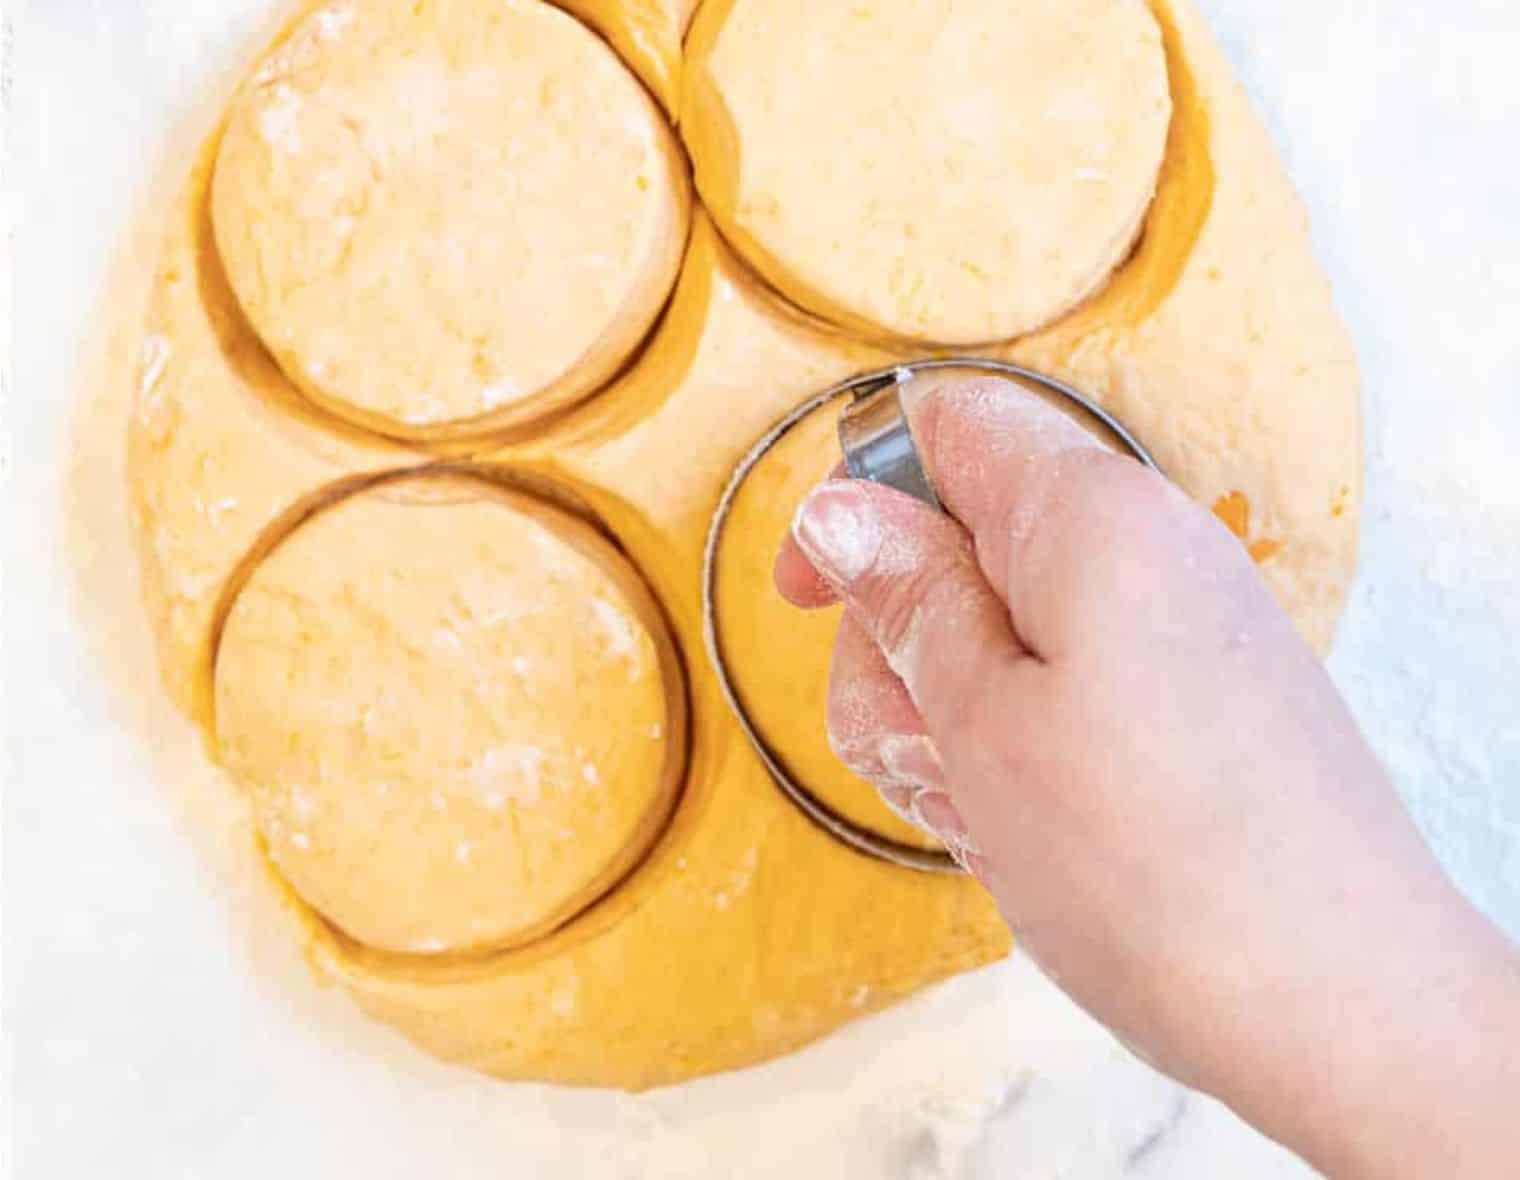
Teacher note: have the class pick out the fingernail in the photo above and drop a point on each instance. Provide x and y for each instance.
(900, 799)
(974, 863)
(918, 389)
(839, 531)
(937, 813)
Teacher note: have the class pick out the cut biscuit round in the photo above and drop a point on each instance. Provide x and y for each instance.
(943, 175)
(447, 218)
(457, 710)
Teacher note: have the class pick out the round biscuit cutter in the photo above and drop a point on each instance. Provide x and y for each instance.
(877, 442)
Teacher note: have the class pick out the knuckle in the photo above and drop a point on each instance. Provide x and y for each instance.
(898, 607)
(1095, 504)
(903, 600)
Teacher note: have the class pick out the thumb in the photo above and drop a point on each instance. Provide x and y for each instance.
(909, 576)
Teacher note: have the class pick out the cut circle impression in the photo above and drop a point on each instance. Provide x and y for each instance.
(775, 664)
(777, 658)
(457, 711)
(447, 218)
(951, 176)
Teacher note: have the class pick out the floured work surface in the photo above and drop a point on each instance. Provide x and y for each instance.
(431, 584)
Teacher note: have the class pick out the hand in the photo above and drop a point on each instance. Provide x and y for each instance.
(1079, 682)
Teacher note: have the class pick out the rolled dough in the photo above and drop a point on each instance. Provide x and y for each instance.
(738, 930)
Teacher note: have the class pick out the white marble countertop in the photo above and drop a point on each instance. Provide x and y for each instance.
(149, 1034)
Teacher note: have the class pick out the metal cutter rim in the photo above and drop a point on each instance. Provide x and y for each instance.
(848, 832)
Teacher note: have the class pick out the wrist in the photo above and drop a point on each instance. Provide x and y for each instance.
(1405, 1061)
